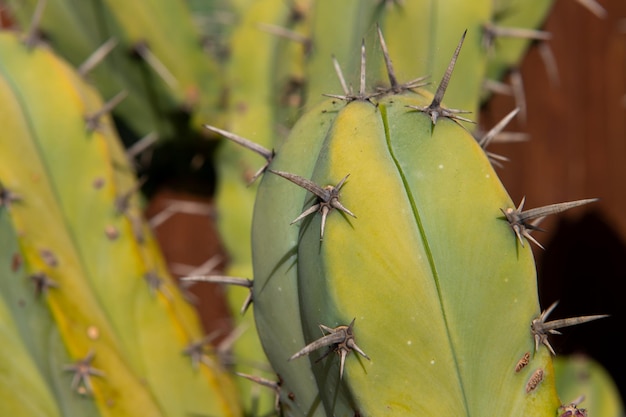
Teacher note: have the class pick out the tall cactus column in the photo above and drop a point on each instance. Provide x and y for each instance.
(406, 251)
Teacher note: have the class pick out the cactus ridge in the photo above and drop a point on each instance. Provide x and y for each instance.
(339, 339)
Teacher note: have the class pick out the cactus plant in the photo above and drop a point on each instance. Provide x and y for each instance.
(380, 226)
(87, 304)
(416, 280)
(311, 32)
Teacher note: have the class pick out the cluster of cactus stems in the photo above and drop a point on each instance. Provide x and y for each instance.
(150, 51)
(379, 226)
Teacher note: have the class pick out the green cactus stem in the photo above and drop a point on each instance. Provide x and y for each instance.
(109, 323)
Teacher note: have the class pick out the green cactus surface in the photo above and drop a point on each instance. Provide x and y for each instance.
(402, 254)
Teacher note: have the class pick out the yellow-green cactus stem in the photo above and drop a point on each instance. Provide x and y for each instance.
(404, 249)
(69, 198)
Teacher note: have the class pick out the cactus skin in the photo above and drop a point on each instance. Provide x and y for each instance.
(275, 265)
(252, 113)
(427, 268)
(69, 180)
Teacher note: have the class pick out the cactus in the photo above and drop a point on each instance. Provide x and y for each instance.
(413, 269)
(87, 306)
(380, 226)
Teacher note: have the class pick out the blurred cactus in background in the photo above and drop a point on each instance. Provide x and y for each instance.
(74, 241)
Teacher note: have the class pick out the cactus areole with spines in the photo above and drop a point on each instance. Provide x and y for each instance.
(426, 282)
